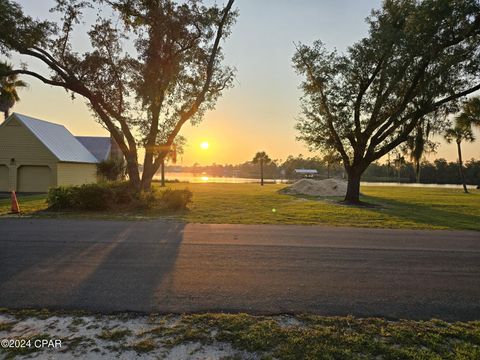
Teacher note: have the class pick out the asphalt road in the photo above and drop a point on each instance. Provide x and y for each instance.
(146, 266)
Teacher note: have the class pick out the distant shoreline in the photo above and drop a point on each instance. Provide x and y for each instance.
(188, 177)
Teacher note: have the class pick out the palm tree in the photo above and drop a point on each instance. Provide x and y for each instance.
(262, 159)
(8, 90)
(460, 132)
(470, 115)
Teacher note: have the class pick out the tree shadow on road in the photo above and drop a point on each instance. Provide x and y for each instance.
(106, 266)
(127, 279)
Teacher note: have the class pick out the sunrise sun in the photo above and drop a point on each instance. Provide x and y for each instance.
(204, 145)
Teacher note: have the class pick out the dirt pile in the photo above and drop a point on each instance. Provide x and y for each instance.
(327, 187)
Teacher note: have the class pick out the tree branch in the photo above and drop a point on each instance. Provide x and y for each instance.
(329, 116)
(415, 117)
(362, 91)
(49, 56)
(38, 76)
(408, 96)
(186, 114)
(46, 59)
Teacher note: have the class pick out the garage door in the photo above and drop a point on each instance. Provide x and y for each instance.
(4, 178)
(34, 178)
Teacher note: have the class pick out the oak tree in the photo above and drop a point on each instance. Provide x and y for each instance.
(150, 67)
(420, 56)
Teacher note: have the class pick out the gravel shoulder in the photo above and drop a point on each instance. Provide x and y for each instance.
(221, 336)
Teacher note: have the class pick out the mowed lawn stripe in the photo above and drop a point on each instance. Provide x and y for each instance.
(396, 207)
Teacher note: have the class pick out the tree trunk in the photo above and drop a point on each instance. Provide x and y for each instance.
(353, 186)
(328, 171)
(162, 167)
(6, 114)
(147, 176)
(261, 172)
(460, 167)
(417, 172)
(133, 172)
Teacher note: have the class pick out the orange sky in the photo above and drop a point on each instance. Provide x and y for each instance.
(259, 112)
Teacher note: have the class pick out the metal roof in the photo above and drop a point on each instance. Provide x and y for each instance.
(99, 146)
(306, 171)
(64, 146)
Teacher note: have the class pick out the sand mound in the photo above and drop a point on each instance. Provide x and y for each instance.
(327, 187)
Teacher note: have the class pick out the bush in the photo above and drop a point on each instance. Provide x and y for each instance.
(92, 197)
(115, 195)
(123, 193)
(60, 198)
(176, 199)
(145, 200)
(111, 169)
(84, 197)
(100, 196)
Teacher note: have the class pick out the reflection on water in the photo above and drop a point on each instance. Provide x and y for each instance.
(202, 178)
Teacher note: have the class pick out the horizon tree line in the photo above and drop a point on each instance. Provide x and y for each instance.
(437, 171)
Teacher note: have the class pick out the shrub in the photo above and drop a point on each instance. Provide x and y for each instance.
(176, 199)
(111, 169)
(123, 193)
(60, 198)
(83, 197)
(145, 200)
(92, 197)
(115, 195)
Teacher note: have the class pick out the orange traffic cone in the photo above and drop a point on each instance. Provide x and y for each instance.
(15, 207)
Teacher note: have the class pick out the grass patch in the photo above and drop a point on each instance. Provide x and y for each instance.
(184, 333)
(7, 326)
(114, 334)
(144, 346)
(30, 313)
(397, 207)
(317, 337)
(30, 204)
(72, 344)
(276, 337)
(78, 321)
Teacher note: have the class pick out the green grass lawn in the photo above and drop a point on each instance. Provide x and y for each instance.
(397, 207)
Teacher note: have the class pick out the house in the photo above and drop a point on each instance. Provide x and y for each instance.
(308, 173)
(36, 155)
(101, 147)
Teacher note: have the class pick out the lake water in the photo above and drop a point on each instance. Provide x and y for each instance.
(203, 178)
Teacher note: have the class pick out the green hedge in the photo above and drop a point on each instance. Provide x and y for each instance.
(176, 199)
(115, 195)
